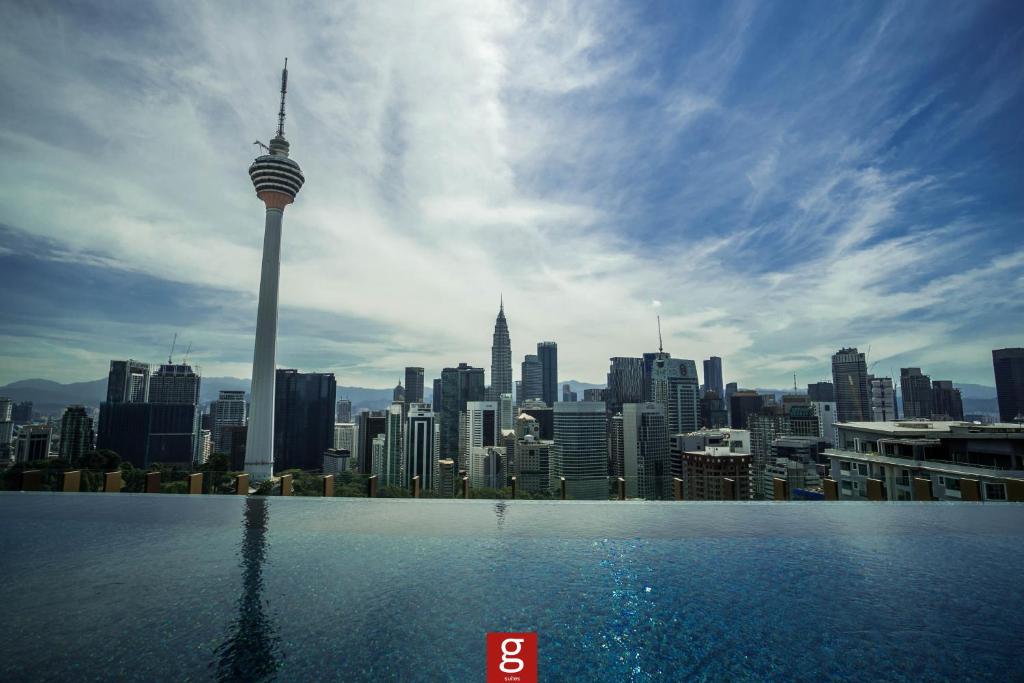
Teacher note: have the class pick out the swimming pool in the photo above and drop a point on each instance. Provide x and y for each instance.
(207, 587)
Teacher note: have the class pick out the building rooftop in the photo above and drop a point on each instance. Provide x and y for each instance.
(933, 428)
(932, 465)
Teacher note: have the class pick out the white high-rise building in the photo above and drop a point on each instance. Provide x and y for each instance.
(883, 399)
(378, 454)
(645, 451)
(675, 386)
(480, 428)
(229, 410)
(826, 412)
(580, 450)
(345, 436)
(506, 411)
(277, 180)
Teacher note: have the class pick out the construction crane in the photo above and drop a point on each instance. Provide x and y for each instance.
(188, 352)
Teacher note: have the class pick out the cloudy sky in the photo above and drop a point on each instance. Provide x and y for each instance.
(776, 180)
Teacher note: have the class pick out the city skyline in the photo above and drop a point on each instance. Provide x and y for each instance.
(766, 221)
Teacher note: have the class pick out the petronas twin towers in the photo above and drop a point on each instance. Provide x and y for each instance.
(501, 356)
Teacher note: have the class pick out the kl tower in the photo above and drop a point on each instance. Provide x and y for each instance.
(277, 180)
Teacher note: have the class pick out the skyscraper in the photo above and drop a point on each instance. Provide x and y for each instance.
(677, 389)
(435, 396)
(883, 400)
(303, 419)
(413, 385)
(625, 382)
(458, 385)
(398, 393)
(128, 382)
(1008, 365)
(821, 392)
(501, 355)
(580, 450)
(547, 352)
(532, 379)
(568, 394)
(917, 393)
(649, 358)
(480, 428)
(76, 433)
(946, 401)
(392, 472)
(420, 457)
(277, 180)
(369, 425)
(343, 412)
(229, 410)
(174, 383)
(743, 404)
(713, 380)
(645, 450)
(850, 377)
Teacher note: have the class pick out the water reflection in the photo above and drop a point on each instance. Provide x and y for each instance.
(499, 511)
(250, 652)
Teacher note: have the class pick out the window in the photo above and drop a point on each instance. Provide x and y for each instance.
(952, 484)
(847, 487)
(995, 491)
(844, 466)
(862, 468)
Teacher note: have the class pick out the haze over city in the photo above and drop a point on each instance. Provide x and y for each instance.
(773, 188)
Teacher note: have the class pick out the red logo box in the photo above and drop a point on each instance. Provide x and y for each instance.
(511, 658)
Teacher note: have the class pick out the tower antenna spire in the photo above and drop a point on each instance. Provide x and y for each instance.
(284, 90)
(660, 350)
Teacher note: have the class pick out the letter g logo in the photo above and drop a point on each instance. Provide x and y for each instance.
(510, 647)
(511, 657)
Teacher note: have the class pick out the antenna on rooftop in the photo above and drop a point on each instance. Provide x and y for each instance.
(284, 90)
(659, 335)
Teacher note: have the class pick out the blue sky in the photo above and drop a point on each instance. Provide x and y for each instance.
(776, 180)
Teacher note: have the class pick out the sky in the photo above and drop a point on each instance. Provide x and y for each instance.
(776, 180)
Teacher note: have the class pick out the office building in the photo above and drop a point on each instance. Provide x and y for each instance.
(398, 393)
(765, 426)
(580, 450)
(677, 388)
(568, 394)
(506, 412)
(22, 412)
(229, 410)
(732, 440)
(532, 464)
(714, 472)
(713, 380)
(369, 425)
(883, 399)
(743, 404)
(392, 472)
(435, 396)
(343, 411)
(713, 413)
(825, 411)
(594, 395)
(459, 385)
(1008, 366)
(446, 478)
(958, 461)
(303, 419)
(917, 393)
(128, 382)
(33, 443)
(378, 455)
(76, 433)
(480, 428)
(6, 429)
(648, 362)
(277, 180)
(345, 437)
(946, 401)
(547, 352)
(852, 391)
(233, 443)
(821, 392)
(413, 385)
(205, 448)
(151, 433)
(625, 382)
(532, 384)
(645, 449)
(336, 461)
(501, 355)
(616, 446)
(420, 456)
(800, 461)
(544, 415)
(174, 383)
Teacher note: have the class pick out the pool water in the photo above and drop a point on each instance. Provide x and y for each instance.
(100, 586)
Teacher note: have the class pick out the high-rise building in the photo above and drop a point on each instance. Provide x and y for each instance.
(435, 396)
(369, 425)
(303, 419)
(625, 382)
(6, 428)
(850, 378)
(947, 403)
(580, 450)
(743, 404)
(343, 411)
(277, 180)
(532, 464)
(764, 426)
(713, 380)
(22, 412)
(883, 399)
(413, 385)
(345, 436)
(420, 456)
(336, 461)
(616, 446)
(480, 428)
(128, 382)
(917, 393)
(826, 414)
(713, 413)
(506, 411)
(174, 383)
(446, 475)
(544, 415)
(76, 433)
(501, 355)
(1008, 366)
(568, 394)
(393, 465)
(677, 389)
(33, 443)
(229, 410)
(706, 471)
(797, 460)
(821, 391)
(148, 433)
(648, 359)
(378, 454)
(547, 352)
(594, 395)
(645, 451)
(459, 385)
(532, 386)
(398, 393)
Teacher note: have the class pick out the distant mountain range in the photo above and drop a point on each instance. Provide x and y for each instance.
(50, 398)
